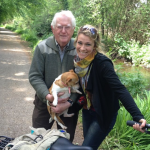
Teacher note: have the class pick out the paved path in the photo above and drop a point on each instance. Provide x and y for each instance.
(16, 93)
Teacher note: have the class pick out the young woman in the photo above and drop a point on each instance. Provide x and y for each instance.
(102, 89)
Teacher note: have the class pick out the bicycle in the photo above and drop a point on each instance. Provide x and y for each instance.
(4, 141)
(60, 144)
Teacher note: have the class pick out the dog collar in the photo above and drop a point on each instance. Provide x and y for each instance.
(66, 86)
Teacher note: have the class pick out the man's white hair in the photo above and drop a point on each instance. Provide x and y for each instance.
(68, 14)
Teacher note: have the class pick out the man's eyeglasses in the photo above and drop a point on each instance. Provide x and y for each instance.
(60, 27)
(93, 31)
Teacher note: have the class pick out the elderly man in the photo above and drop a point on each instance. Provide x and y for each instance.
(52, 57)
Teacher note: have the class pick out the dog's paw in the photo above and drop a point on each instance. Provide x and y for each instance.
(64, 127)
(54, 103)
(68, 115)
(71, 114)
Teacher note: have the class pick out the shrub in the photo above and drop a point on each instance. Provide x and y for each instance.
(31, 37)
(132, 50)
(10, 27)
(19, 31)
(134, 82)
(124, 137)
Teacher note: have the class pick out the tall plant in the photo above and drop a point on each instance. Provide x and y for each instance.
(124, 137)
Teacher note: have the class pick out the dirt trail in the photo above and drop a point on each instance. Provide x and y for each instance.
(16, 92)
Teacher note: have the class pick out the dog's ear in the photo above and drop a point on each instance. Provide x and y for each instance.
(68, 80)
(71, 70)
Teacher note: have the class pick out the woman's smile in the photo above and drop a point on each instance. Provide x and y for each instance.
(84, 46)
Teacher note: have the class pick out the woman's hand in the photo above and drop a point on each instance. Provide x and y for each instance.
(139, 127)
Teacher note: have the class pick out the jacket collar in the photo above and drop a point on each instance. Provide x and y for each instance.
(50, 42)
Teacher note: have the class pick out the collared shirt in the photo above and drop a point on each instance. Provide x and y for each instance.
(61, 52)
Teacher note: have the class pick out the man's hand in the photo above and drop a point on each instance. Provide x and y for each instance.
(139, 127)
(49, 97)
(60, 107)
(62, 103)
(62, 100)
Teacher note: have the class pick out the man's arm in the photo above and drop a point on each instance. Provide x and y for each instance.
(36, 75)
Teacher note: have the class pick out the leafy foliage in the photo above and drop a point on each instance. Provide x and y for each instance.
(132, 50)
(129, 18)
(135, 83)
(10, 9)
(124, 137)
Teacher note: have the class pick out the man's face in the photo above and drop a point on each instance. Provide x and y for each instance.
(63, 30)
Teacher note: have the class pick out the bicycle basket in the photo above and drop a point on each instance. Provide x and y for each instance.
(4, 141)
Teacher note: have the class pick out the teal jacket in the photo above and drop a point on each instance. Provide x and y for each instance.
(46, 66)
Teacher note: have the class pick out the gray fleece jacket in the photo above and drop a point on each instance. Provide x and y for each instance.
(46, 66)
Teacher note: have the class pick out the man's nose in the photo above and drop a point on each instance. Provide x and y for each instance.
(64, 29)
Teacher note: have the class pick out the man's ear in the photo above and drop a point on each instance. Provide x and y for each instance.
(52, 28)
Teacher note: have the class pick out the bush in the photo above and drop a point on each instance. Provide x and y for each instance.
(124, 137)
(42, 24)
(10, 27)
(19, 31)
(134, 82)
(131, 50)
(31, 37)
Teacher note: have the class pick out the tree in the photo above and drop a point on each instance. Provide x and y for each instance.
(10, 9)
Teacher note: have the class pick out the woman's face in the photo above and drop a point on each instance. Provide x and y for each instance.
(84, 46)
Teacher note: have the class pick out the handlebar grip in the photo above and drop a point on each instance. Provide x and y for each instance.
(131, 123)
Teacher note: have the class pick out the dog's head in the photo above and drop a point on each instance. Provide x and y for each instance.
(70, 78)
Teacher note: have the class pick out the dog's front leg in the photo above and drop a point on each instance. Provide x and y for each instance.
(55, 98)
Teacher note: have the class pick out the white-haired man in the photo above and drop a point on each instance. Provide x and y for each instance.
(52, 57)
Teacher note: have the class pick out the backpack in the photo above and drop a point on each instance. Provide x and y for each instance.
(38, 139)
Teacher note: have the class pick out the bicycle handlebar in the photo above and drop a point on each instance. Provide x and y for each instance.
(131, 123)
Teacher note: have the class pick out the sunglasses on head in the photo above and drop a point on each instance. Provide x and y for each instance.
(92, 30)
